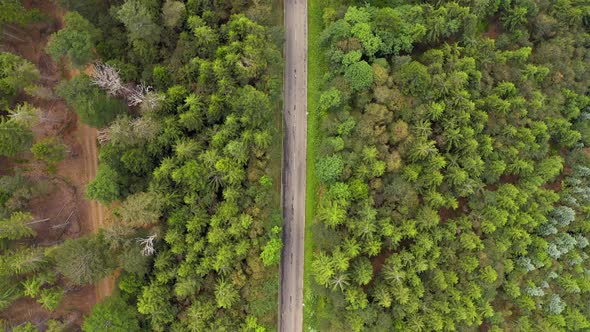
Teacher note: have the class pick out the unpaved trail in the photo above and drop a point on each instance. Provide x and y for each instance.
(66, 199)
(294, 167)
(96, 211)
(87, 137)
(78, 172)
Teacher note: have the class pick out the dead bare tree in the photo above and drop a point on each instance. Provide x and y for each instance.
(103, 136)
(60, 211)
(152, 101)
(48, 116)
(33, 222)
(26, 114)
(108, 79)
(136, 96)
(66, 223)
(121, 131)
(145, 128)
(144, 96)
(148, 244)
(126, 131)
(41, 92)
(6, 33)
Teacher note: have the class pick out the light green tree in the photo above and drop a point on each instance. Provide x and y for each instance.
(16, 226)
(83, 260)
(112, 314)
(226, 294)
(271, 251)
(16, 74)
(139, 21)
(75, 41)
(141, 209)
(359, 75)
(172, 13)
(49, 150)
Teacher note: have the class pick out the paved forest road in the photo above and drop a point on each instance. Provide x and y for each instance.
(294, 166)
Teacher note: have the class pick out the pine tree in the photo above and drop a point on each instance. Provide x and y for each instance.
(16, 226)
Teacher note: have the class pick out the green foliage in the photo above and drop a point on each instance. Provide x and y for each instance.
(130, 283)
(195, 166)
(13, 11)
(414, 77)
(104, 187)
(14, 137)
(22, 261)
(329, 169)
(154, 301)
(449, 182)
(49, 298)
(139, 21)
(359, 75)
(8, 293)
(49, 150)
(15, 227)
(172, 13)
(330, 99)
(112, 314)
(83, 260)
(133, 260)
(56, 326)
(16, 74)
(363, 271)
(161, 77)
(271, 251)
(26, 327)
(225, 294)
(93, 106)
(75, 41)
(92, 10)
(141, 209)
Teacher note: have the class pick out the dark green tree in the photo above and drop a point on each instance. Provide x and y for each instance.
(76, 40)
(16, 74)
(359, 75)
(83, 260)
(93, 106)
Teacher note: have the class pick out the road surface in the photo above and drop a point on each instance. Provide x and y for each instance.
(97, 211)
(294, 167)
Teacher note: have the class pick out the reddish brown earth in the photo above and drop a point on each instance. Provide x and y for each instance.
(493, 30)
(63, 201)
(378, 261)
(448, 213)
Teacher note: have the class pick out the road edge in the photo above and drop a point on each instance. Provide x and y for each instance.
(313, 120)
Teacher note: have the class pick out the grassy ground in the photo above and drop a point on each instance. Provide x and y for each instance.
(276, 151)
(315, 73)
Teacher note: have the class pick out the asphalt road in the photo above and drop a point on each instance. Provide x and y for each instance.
(294, 167)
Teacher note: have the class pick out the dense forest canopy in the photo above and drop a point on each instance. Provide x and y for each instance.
(191, 163)
(453, 167)
(186, 97)
(25, 270)
(453, 164)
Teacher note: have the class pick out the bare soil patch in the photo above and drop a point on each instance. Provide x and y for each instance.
(493, 30)
(70, 214)
(378, 261)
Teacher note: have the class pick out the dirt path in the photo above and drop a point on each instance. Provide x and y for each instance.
(96, 212)
(95, 217)
(294, 167)
(81, 167)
